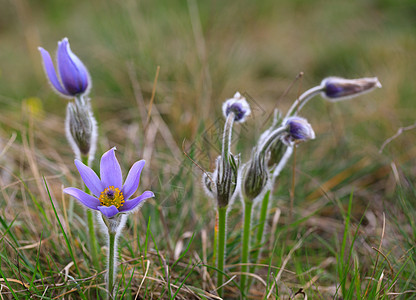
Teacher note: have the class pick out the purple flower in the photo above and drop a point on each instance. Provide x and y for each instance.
(336, 88)
(111, 195)
(239, 106)
(73, 75)
(299, 130)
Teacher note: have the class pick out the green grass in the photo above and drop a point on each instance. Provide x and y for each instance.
(206, 51)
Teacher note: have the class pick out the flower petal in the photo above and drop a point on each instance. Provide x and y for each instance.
(133, 179)
(108, 211)
(84, 198)
(90, 179)
(74, 74)
(110, 171)
(134, 203)
(50, 71)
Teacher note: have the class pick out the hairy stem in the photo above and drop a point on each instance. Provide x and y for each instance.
(222, 215)
(111, 263)
(260, 233)
(303, 99)
(246, 245)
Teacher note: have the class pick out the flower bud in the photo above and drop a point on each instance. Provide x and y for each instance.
(74, 79)
(239, 106)
(81, 127)
(227, 174)
(255, 177)
(299, 130)
(336, 88)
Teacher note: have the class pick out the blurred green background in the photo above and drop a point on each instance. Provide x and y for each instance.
(206, 51)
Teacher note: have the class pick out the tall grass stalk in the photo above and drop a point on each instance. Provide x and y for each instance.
(91, 228)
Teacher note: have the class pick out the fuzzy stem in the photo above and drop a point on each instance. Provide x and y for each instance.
(215, 245)
(222, 216)
(260, 232)
(303, 99)
(111, 263)
(91, 229)
(248, 205)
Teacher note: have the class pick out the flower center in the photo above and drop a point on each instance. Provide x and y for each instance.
(112, 196)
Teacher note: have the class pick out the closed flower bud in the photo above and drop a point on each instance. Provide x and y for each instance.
(336, 88)
(81, 127)
(74, 79)
(255, 177)
(299, 130)
(226, 176)
(239, 106)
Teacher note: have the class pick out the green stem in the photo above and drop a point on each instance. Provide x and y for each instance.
(93, 240)
(246, 245)
(111, 263)
(222, 216)
(260, 231)
(91, 229)
(215, 245)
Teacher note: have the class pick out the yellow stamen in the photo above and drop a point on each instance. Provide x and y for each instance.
(112, 196)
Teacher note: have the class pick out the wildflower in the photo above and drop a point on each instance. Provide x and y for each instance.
(336, 88)
(111, 195)
(299, 130)
(239, 106)
(73, 75)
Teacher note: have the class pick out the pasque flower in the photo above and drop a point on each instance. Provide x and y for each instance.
(299, 130)
(111, 195)
(73, 75)
(336, 88)
(239, 106)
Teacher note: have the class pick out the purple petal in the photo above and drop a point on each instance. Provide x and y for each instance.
(84, 198)
(110, 171)
(74, 74)
(50, 71)
(90, 179)
(133, 203)
(108, 211)
(133, 179)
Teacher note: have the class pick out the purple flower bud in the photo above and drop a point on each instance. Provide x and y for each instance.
(239, 106)
(336, 88)
(299, 130)
(73, 78)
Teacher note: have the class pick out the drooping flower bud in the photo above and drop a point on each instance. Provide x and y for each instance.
(239, 106)
(299, 130)
(336, 88)
(74, 79)
(81, 127)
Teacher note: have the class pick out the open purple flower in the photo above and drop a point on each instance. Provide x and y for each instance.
(73, 75)
(111, 195)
